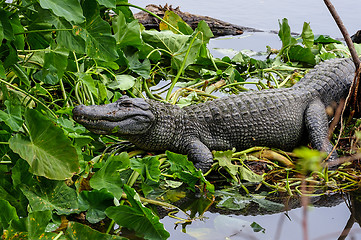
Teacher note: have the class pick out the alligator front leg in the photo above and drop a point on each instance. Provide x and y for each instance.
(200, 155)
(317, 127)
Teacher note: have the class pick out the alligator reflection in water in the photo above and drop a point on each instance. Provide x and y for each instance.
(224, 222)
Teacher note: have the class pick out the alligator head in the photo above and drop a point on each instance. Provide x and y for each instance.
(126, 116)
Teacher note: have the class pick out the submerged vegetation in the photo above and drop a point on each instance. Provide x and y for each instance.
(59, 181)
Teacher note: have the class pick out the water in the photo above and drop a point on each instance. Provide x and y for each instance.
(264, 15)
(323, 223)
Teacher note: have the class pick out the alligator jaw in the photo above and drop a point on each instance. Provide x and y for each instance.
(124, 117)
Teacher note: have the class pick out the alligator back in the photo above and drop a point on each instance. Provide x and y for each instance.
(275, 117)
(331, 79)
(271, 118)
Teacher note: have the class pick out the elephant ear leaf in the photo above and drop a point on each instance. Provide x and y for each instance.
(47, 150)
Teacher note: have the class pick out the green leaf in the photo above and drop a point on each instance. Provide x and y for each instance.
(206, 31)
(2, 71)
(325, 40)
(299, 54)
(95, 202)
(100, 44)
(285, 34)
(17, 28)
(69, 9)
(191, 47)
(7, 30)
(307, 35)
(77, 231)
(55, 63)
(88, 81)
(141, 68)
(48, 151)
(36, 223)
(148, 168)
(52, 195)
(122, 82)
(249, 176)
(176, 21)
(175, 45)
(127, 34)
(224, 160)
(138, 218)
(108, 3)
(185, 171)
(8, 214)
(12, 116)
(68, 39)
(108, 176)
(257, 228)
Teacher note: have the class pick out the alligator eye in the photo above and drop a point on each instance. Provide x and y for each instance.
(126, 103)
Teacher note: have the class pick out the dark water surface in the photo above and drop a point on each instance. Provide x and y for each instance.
(324, 223)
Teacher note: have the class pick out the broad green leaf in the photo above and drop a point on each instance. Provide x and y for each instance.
(95, 202)
(285, 34)
(69, 39)
(10, 192)
(325, 39)
(69, 9)
(127, 34)
(224, 160)
(175, 45)
(327, 55)
(17, 28)
(141, 68)
(248, 175)
(21, 175)
(12, 116)
(205, 30)
(37, 222)
(188, 53)
(185, 171)
(52, 195)
(100, 44)
(7, 30)
(77, 231)
(8, 214)
(55, 63)
(122, 82)
(148, 168)
(108, 176)
(300, 54)
(138, 218)
(108, 3)
(307, 35)
(48, 151)
(241, 58)
(148, 51)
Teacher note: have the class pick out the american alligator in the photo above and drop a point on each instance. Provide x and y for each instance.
(280, 118)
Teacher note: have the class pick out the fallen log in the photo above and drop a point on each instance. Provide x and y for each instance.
(218, 27)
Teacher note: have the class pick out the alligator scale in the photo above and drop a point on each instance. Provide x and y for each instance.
(280, 118)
